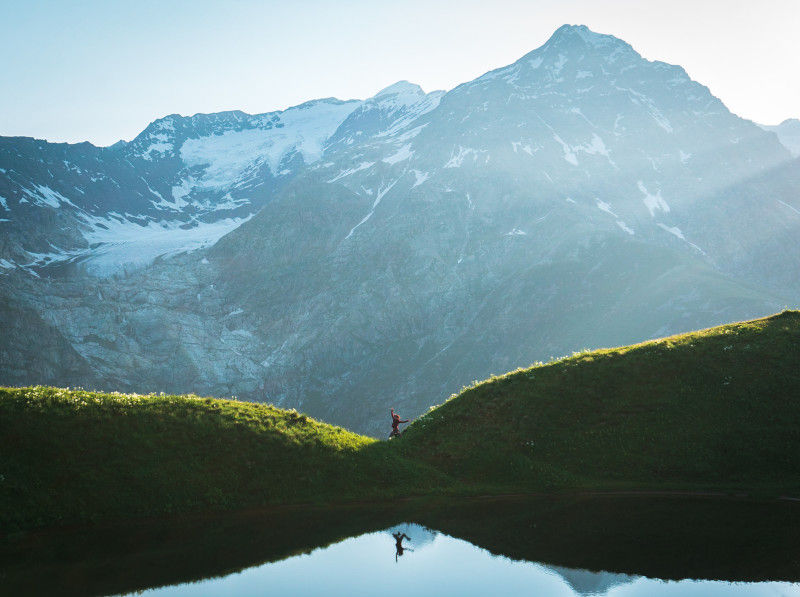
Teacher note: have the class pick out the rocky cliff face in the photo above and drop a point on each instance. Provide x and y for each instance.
(387, 251)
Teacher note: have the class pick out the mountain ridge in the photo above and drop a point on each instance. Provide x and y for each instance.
(350, 258)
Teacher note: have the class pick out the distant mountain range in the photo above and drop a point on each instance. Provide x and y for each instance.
(788, 133)
(344, 257)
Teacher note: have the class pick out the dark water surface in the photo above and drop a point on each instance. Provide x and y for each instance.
(542, 546)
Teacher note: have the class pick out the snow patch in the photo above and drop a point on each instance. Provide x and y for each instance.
(159, 144)
(179, 192)
(606, 207)
(622, 225)
(653, 202)
(123, 243)
(568, 153)
(420, 177)
(519, 145)
(45, 196)
(794, 209)
(400, 155)
(642, 100)
(674, 230)
(343, 173)
(593, 147)
(410, 114)
(457, 159)
(228, 157)
(408, 134)
(558, 65)
(381, 193)
(226, 203)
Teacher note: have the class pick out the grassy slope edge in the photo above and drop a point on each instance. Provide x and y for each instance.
(73, 455)
(715, 409)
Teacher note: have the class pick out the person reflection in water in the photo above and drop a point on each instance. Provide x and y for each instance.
(398, 544)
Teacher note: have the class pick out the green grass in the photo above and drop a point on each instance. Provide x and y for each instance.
(72, 455)
(717, 409)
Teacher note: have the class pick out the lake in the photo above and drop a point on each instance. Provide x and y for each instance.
(564, 546)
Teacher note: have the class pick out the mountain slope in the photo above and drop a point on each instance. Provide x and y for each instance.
(788, 132)
(716, 408)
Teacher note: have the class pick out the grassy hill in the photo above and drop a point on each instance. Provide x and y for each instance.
(71, 455)
(717, 409)
(713, 409)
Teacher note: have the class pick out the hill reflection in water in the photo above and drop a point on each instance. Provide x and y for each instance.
(367, 565)
(552, 546)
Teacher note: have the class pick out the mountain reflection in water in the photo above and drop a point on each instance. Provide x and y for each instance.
(545, 546)
(440, 565)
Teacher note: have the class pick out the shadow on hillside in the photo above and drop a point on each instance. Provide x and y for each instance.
(665, 537)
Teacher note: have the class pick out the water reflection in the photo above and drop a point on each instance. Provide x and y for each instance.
(398, 545)
(547, 546)
(416, 535)
(585, 582)
(445, 565)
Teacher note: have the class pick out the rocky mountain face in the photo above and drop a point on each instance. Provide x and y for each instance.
(344, 257)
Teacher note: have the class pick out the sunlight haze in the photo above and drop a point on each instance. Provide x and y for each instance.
(101, 71)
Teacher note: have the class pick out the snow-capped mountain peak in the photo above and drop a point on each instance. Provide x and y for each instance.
(403, 88)
(405, 96)
(572, 34)
(577, 43)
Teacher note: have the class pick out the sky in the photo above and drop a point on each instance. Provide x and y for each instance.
(101, 70)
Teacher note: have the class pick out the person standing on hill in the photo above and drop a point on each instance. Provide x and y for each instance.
(395, 424)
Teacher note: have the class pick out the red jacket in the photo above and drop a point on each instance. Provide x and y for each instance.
(396, 419)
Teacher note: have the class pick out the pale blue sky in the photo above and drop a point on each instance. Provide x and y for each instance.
(102, 70)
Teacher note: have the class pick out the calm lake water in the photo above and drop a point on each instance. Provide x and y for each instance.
(563, 546)
(432, 563)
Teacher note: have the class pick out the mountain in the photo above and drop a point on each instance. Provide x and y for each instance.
(788, 133)
(345, 257)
